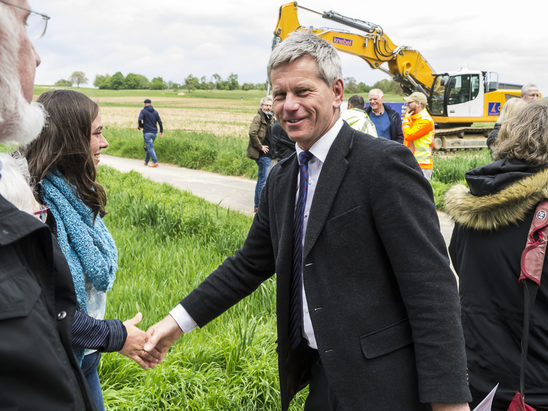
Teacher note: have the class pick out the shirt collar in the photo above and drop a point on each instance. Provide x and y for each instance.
(321, 147)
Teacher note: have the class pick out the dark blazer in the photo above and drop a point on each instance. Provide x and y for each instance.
(383, 300)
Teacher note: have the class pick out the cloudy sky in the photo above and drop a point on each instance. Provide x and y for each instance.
(175, 38)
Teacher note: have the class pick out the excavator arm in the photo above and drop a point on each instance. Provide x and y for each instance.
(405, 65)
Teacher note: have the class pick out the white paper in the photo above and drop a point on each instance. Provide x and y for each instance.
(485, 405)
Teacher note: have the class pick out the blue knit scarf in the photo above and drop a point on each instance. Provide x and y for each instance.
(88, 248)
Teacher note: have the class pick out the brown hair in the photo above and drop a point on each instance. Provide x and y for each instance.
(64, 145)
(525, 136)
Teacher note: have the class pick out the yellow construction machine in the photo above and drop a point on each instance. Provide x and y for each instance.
(455, 99)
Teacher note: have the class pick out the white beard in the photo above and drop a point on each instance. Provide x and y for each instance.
(20, 122)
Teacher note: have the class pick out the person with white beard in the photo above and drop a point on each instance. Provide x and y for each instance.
(37, 300)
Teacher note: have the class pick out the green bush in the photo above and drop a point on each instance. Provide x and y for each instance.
(204, 151)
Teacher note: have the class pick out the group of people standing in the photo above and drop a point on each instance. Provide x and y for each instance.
(368, 310)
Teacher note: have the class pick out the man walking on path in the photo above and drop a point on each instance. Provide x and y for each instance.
(147, 122)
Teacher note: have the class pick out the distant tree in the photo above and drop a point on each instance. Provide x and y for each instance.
(63, 83)
(248, 86)
(158, 83)
(78, 77)
(173, 86)
(232, 81)
(216, 79)
(117, 81)
(388, 86)
(350, 85)
(191, 83)
(132, 81)
(102, 81)
(205, 84)
(364, 88)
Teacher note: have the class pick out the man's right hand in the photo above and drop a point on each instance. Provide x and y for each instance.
(162, 335)
(264, 149)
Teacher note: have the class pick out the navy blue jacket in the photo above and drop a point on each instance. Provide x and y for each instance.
(396, 131)
(148, 119)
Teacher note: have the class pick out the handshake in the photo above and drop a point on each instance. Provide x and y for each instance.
(149, 348)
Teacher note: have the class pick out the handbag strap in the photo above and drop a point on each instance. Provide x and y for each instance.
(532, 262)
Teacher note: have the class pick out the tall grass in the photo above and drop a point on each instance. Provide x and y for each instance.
(224, 155)
(168, 242)
(450, 169)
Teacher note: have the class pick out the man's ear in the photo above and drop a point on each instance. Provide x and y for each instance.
(338, 92)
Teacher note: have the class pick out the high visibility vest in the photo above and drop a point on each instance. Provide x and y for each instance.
(418, 133)
(359, 120)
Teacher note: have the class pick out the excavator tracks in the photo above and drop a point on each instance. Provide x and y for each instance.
(461, 138)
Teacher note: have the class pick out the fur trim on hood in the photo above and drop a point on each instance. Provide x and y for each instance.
(503, 208)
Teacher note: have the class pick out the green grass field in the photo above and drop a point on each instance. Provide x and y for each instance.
(168, 242)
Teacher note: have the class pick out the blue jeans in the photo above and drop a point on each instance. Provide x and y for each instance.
(89, 368)
(264, 167)
(149, 142)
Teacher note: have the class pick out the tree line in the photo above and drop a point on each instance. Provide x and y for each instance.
(133, 81)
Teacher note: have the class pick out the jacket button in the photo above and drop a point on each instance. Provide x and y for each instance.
(62, 315)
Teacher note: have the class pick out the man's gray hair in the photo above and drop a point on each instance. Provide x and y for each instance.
(526, 88)
(300, 44)
(266, 98)
(376, 91)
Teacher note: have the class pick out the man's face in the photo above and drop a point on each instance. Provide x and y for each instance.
(20, 121)
(304, 104)
(27, 58)
(375, 101)
(532, 94)
(266, 106)
(414, 107)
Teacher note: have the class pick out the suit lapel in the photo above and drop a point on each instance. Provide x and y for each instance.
(331, 176)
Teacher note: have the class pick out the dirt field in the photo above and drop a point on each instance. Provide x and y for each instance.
(220, 117)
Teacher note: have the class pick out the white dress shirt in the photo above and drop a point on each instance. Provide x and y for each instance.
(319, 152)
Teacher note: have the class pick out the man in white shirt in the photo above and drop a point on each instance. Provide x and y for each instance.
(367, 306)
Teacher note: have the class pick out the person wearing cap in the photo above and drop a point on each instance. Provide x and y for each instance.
(418, 132)
(148, 118)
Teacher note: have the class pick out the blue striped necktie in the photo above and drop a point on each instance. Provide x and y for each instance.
(296, 302)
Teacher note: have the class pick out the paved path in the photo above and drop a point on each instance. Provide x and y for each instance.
(235, 193)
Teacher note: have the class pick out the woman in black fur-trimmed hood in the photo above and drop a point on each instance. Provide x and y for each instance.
(492, 220)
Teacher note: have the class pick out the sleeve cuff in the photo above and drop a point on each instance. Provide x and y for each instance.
(117, 335)
(183, 319)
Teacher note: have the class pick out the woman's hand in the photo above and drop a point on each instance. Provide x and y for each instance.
(134, 346)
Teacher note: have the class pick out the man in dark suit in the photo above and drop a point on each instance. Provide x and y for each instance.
(367, 306)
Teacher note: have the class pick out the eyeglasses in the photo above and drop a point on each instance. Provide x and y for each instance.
(36, 23)
(42, 213)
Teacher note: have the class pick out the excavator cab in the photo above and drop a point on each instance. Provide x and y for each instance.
(457, 96)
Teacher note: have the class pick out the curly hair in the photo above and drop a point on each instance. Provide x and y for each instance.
(64, 145)
(525, 136)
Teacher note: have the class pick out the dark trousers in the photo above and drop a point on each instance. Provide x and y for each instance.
(320, 395)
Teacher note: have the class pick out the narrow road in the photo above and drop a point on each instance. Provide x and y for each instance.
(235, 193)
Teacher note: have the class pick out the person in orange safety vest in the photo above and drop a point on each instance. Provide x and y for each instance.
(418, 132)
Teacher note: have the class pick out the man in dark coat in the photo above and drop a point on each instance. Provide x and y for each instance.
(38, 370)
(283, 146)
(148, 121)
(367, 306)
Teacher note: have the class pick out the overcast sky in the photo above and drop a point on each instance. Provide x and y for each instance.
(175, 38)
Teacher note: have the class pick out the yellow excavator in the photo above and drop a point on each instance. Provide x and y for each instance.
(455, 99)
